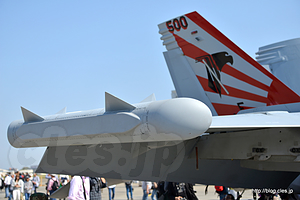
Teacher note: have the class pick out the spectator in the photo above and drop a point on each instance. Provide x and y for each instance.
(96, 184)
(35, 182)
(64, 179)
(22, 176)
(1, 183)
(146, 186)
(52, 185)
(177, 191)
(28, 185)
(11, 187)
(229, 197)
(222, 191)
(7, 182)
(233, 192)
(154, 191)
(161, 189)
(17, 186)
(17, 173)
(129, 189)
(79, 188)
(48, 176)
(111, 192)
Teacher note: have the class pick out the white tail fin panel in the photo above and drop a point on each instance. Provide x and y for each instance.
(230, 78)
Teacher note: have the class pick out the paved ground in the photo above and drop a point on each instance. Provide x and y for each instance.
(137, 193)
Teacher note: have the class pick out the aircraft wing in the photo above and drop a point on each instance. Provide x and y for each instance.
(247, 150)
(267, 136)
(250, 121)
(180, 162)
(259, 150)
(62, 192)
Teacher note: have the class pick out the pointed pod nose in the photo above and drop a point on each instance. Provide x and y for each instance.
(185, 117)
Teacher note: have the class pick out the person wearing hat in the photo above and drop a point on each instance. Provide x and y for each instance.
(50, 187)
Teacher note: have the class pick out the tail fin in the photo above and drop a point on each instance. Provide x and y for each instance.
(230, 80)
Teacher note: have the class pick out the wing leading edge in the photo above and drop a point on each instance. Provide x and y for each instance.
(259, 120)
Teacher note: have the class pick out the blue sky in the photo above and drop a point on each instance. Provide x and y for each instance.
(67, 53)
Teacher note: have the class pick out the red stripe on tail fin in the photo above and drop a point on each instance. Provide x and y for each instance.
(229, 77)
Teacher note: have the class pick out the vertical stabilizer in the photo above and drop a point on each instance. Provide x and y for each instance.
(206, 65)
(283, 60)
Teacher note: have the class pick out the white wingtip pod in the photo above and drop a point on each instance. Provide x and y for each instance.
(184, 117)
(13, 139)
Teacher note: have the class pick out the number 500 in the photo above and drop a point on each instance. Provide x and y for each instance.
(177, 24)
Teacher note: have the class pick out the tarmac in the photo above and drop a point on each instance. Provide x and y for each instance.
(120, 193)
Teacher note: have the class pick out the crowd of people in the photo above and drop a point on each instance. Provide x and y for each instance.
(168, 191)
(82, 188)
(226, 193)
(22, 186)
(18, 185)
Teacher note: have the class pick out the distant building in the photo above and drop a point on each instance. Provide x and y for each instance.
(27, 170)
(3, 172)
(12, 169)
(34, 167)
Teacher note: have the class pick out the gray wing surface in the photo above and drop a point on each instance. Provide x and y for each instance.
(180, 162)
(259, 120)
(247, 150)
